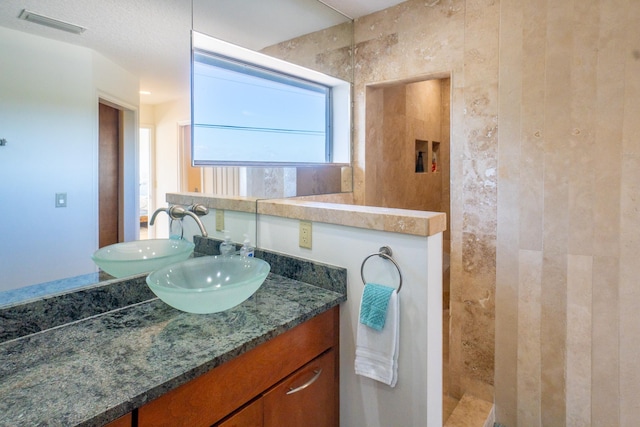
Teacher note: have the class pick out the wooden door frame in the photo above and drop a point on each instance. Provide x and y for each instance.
(128, 203)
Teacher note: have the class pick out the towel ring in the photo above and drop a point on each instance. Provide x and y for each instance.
(384, 252)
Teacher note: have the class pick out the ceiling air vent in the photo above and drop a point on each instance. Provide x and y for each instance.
(50, 22)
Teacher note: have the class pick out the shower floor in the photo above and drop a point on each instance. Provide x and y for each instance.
(468, 411)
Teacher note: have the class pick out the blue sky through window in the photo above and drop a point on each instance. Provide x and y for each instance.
(246, 114)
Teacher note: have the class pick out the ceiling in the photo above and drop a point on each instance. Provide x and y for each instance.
(151, 38)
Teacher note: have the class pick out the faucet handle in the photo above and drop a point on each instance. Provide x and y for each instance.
(199, 209)
(177, 212)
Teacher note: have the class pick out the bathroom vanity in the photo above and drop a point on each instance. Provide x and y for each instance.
(288, 380)
(148, 364)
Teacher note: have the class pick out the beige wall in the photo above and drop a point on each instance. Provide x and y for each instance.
(417, 40)
(545, 221)
(397, 115)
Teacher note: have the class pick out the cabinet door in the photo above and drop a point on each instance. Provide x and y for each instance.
(249, 416)
(305, 398)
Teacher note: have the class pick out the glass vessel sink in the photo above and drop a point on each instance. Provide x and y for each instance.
(209, 284)
(141, 256)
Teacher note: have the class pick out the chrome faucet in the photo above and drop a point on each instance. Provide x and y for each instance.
(178, 212)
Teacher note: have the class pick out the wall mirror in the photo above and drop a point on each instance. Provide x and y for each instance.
(53, 83)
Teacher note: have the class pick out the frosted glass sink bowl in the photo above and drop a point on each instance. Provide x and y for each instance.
(209, 284)
(141, 256)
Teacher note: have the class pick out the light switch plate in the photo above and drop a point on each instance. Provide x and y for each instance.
(305, 234)
(219, 219)
(61, 200)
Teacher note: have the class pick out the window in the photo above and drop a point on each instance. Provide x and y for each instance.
(250, 109)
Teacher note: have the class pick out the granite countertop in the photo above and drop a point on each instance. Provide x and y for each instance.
(94, 370)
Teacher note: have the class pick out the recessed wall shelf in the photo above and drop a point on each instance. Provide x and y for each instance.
(427, 156)
(435, 156)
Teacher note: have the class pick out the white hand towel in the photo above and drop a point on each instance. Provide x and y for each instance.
(377, 351)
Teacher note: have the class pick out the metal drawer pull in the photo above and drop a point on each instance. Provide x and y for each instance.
(317, 373)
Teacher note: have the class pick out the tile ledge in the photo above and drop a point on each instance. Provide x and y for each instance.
(212, 201)
(472, 412)
(421, 223)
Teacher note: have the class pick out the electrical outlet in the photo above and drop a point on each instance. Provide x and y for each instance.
(219, 219)
(305, 234)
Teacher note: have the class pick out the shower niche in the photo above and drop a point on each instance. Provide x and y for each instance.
(427, 156)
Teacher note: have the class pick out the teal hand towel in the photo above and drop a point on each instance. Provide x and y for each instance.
(375, 301)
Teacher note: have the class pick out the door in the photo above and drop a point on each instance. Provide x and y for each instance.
(108, 174)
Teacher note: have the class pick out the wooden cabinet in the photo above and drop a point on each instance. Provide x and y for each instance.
(284, 361)
(306, 398)
(249, 416)
(123, 421)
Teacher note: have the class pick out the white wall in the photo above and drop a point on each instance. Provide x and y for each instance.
(166, 119)
(48, 115)
(417, 398)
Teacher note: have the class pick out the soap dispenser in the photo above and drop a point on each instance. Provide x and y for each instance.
(420, 163)
(246, 250)
(227, 247)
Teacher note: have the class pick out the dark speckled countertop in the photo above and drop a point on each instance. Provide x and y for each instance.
(95, 369)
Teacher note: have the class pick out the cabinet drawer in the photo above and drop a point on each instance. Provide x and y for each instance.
(306, 398)
(212, 396)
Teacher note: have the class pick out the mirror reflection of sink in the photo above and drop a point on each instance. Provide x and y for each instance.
(141, 256)
(208, 284)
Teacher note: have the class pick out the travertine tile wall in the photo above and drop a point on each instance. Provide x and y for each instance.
(418, 40)
(410, 111)
(545, 216)
(568, 227)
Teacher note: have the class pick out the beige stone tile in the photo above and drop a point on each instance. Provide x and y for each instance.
(448, 405)
(482, 20)
(329, 52)
(557, 105)
(507, 246)
(318, 180)
(240, 204)
(506, 334)
(629, 291)
(395, 100)
(478, 388)
(553, 333)
(419, 223)
(455, 348)
(584, 147)
(529, 339)
(579, 314)
(605, 368)
(530, 190)
(556, 200)
(367, 154)
(470, 412)
(339, 198)
(610, 115)
(477, 324)
(532, 41)
(631, 126)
